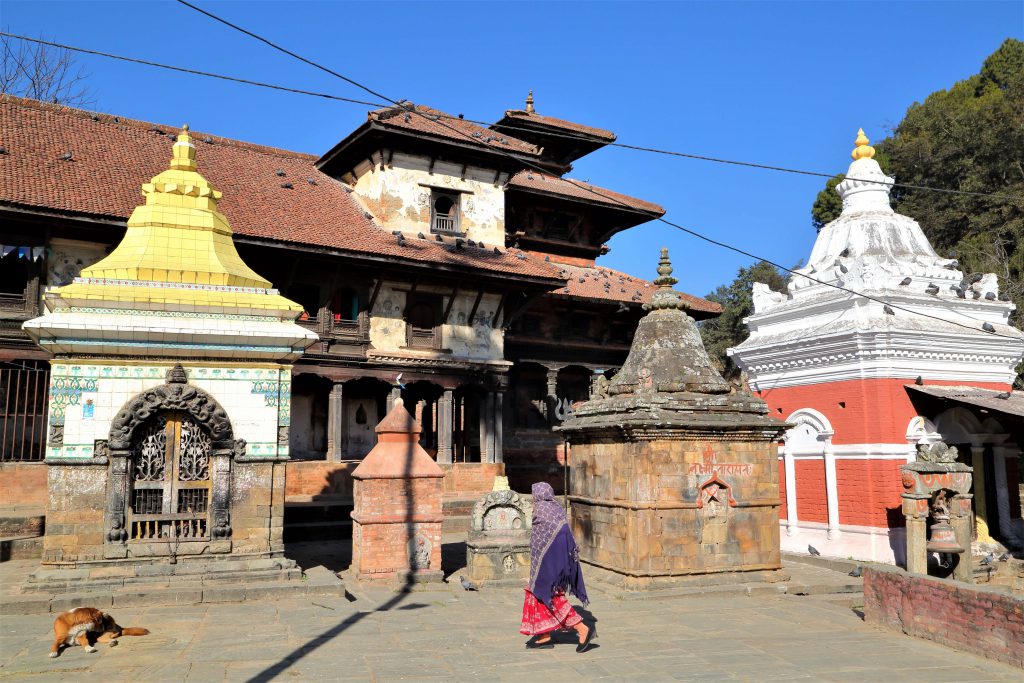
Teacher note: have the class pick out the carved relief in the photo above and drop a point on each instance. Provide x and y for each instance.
(421, 550)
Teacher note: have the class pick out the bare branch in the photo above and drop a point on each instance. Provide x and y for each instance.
(42, 73)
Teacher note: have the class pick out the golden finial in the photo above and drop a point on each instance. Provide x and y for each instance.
(529, 102)
(183, 152)
(863, 150)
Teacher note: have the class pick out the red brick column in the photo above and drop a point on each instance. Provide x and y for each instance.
(396, 520)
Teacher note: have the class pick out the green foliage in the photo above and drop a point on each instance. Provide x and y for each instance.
(737, 303)
(969, 137)
(827, 205)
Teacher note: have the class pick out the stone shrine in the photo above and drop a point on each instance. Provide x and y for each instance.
(169, 395)
(398, 491)
(673, 475)
(498, 548)
(938, 486)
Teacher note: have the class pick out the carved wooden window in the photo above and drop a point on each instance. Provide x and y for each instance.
(170, 496)
(423, 323)
(444, 214)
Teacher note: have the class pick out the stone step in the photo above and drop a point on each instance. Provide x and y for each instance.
(21, 548)
(318, 583)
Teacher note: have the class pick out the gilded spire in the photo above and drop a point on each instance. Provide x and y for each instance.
(529, 102)
(863, 150)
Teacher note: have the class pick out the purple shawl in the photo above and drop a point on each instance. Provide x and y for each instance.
(554, 555)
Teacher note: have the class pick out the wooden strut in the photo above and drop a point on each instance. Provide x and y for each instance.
(497, 311)
(376, 291)
(476, 304)
(448, 308)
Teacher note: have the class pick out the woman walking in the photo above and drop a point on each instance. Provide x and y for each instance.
(554, 571)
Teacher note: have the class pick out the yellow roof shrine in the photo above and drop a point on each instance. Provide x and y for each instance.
(177, 238)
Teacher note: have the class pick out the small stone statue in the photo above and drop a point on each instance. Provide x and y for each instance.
(936, 452)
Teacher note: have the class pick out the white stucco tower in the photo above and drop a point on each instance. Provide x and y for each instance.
(838, 364)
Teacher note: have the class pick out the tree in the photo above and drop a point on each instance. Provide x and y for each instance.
(737, 303)
(42, 72)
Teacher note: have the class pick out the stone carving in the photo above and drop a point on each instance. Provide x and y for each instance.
(56, 438)
(282, 435)
(936, 452)
(176, 394)
(238, 448)
(498, 547)
(420, 557)
(100, 449)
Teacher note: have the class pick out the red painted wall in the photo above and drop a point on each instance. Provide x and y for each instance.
(811, 505)
(877, 410)
(869, 492)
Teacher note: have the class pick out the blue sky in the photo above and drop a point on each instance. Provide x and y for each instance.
(778, 83)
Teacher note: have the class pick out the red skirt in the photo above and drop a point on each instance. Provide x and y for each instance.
(538, 619)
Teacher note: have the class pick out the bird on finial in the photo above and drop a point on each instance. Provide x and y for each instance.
(529, 102)
(863, 150)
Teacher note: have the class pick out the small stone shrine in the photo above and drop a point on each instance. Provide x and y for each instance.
(498, 548)
(169, 396)
(396, 519)
(673, 475)
(937, 486)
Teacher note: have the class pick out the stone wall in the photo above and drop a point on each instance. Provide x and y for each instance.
(74, 514)
(643, 509)
(981, 620)
(23, 485)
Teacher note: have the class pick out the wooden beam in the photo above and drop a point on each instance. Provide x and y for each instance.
(463, 175)
(433, 160)
(476, 304)
(391, 155)
(497, 311)
(448, 308)
(575, 227)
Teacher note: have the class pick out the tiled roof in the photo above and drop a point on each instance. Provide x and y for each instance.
(552, 122)
(439, 124)
(597, 282)
(535, 181)
(112, 157)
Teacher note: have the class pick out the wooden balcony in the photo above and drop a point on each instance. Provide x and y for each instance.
(339, 336)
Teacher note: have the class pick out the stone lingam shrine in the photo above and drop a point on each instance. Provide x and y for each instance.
(674, 475)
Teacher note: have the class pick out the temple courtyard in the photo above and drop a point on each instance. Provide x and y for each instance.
(446, 633)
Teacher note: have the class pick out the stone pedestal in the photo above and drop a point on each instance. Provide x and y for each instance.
(396, 520)
(936, 476)
(674, 478)
(498, 548)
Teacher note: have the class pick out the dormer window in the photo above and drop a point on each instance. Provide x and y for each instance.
(444, 213)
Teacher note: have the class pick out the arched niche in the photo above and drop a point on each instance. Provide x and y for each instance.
(809, 433)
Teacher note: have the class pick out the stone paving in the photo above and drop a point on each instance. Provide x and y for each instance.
(447, 634)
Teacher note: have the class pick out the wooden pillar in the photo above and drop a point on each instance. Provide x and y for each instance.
(552, 397)
(444, 427)
(499, 424)
(336, 423)
(486, 428)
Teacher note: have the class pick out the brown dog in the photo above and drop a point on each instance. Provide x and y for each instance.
(76, 626)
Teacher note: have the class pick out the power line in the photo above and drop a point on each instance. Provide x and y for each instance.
(413, 110)
(567, 136)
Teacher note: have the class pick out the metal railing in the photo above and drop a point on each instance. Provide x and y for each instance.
(24, 394)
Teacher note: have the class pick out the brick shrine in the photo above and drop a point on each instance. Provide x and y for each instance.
(674, 477)
(396, 523)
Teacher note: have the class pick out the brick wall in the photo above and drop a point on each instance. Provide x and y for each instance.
(23, 485)
(469, 478)
(874, 410)
(981, 620)
(869, 492)
(314, 480)
(811, 503)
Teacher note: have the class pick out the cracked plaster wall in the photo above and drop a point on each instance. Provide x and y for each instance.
(398, 195)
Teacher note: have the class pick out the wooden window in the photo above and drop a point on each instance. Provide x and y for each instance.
(444, 214)
(423, 322)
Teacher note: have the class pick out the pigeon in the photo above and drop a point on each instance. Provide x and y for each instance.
(987, 560)
(521, 256)
(467, 584)
(919, 381)
(279, 173)
(1005, 395)
(856, 572)
(845, 252)
(1004, 557)
(888, 310)
(813, 551)
(287, 186)
(932, 289)
(622, 308)
(421, 235)
(438, 238)
(311, 180)
(906, 281)
(398, 381)
(497, 251)
(960, 292)
(988, 327)
(458, 243)
(990, 296)
(67, 156)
